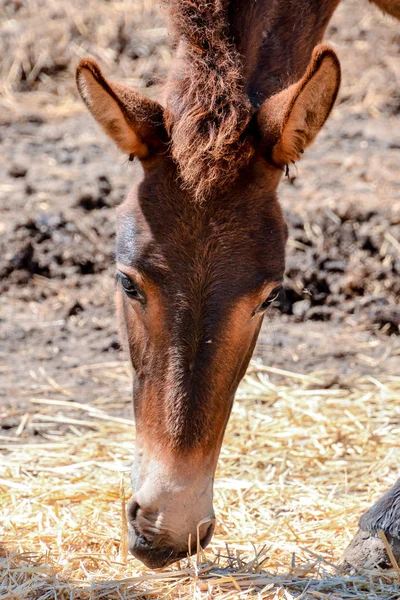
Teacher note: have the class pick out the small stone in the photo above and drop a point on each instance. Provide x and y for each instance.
(104, 185)
(75, 309)
(89, 202)
(29, 189)
(89, 198)
(320, 313)
(17, 171)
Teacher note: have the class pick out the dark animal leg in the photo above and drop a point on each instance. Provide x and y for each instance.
(367, 549)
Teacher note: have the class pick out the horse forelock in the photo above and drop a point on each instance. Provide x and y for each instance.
(208, 110)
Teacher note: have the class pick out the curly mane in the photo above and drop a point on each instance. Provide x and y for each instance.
(207, 107)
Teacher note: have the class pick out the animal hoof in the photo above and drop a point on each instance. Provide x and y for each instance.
(368, 551)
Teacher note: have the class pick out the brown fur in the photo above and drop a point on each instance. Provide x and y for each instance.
(192, 343)
(207, 108)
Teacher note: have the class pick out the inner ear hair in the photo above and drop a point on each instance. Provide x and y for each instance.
(290, 120)
(134, 122)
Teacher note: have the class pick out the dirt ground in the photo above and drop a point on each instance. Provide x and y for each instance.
(61, 179)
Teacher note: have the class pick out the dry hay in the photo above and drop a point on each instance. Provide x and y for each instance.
(302, 458)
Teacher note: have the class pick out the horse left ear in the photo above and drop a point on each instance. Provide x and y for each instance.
(134, 122)
(289, 121)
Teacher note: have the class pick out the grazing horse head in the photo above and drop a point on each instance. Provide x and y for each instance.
(201, 238)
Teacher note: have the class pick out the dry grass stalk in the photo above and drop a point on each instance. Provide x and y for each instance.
(300, 462)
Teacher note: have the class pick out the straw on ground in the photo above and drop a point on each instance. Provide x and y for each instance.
(302, 458)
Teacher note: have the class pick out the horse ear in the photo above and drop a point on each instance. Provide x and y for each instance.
(289, 121)
(134, 122)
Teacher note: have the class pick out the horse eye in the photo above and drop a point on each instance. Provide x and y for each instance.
(129, 287)
(271, 298)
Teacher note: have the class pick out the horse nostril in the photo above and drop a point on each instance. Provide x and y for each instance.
(209, 533)
(134, 518)
(132, 510)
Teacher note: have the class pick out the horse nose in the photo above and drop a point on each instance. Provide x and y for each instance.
(152, 551)
(152, 557)
(159, 557)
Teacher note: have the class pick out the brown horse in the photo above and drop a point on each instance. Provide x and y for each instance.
(201, 237)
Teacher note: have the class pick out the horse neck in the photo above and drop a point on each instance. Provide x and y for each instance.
(276, 39)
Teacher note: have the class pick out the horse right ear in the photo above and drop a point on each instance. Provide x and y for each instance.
(134, 122)
(289, 121)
